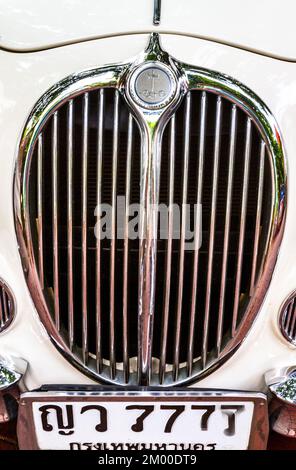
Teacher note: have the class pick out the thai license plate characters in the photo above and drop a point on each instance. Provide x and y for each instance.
(142, 420)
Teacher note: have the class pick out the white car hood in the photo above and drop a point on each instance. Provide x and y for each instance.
(264, 26)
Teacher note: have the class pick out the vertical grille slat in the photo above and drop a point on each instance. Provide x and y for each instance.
(293, 322)
(40, 209)
(113, 235)
(258, 215)
(166, 303)
(182, 234)
(70, 124)
(242, 224)
(288, 316)
(91, 151)
(233, 135)
(55, 220)
(212, 228)
(201, 154)
(2, 319)
(5, 306)
(126, 247)
(84, 276)
(100, 149)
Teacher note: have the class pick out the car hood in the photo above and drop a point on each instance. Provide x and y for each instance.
(265, 26)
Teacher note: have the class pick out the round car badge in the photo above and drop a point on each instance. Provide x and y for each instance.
(153, 85)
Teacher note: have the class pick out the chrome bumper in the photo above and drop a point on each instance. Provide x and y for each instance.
(281, 384)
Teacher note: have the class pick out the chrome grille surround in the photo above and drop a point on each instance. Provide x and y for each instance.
(152, 126)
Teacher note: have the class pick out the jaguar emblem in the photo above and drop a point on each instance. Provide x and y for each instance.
(153, 85)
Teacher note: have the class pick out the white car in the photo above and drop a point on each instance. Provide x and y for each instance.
(147, 223)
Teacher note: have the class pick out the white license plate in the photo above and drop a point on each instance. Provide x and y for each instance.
(159, 420)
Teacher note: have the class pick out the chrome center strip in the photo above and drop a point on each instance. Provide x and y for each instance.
(152, 117)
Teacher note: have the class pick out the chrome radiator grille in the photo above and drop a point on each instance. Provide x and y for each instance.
(85, 146)
(89, 153)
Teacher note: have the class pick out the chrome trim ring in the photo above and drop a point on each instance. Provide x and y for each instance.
(287, 319)
(7, 306)
(151, 123)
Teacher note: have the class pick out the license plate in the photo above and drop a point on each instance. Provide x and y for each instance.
(141, 420)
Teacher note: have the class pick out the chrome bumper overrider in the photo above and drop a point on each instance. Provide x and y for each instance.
(11, 372)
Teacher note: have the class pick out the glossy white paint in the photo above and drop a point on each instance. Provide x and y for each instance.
(25, 77)
(266, 25)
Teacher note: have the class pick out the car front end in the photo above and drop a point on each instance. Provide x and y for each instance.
(147, 225)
